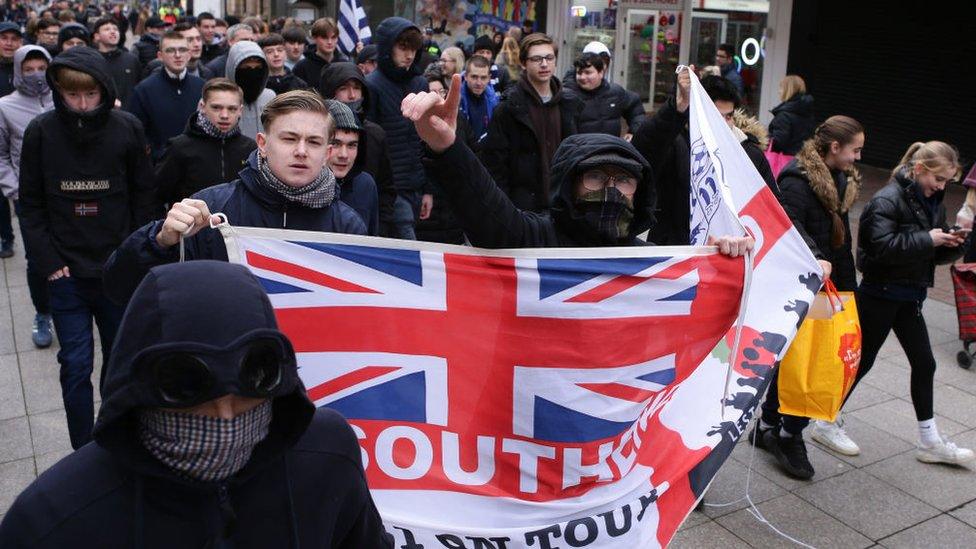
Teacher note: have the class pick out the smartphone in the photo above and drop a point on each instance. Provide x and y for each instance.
(960, 231)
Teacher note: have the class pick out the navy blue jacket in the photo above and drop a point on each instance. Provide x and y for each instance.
(164, 105)
(246, 202)
(303, 485)
(358, 190)
(388, 85)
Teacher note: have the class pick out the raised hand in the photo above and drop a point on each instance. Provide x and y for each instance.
(434, 116)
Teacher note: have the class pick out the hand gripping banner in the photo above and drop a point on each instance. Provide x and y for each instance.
(538, 397)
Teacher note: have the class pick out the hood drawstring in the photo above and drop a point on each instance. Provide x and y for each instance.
(291, 506)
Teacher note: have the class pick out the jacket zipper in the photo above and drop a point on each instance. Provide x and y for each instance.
(227, 514)
(223, 176)
(284, 218)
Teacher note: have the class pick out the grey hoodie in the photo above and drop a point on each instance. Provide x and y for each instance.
(251, 113)
(16, 111)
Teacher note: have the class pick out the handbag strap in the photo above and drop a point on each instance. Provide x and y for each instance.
(833, 296)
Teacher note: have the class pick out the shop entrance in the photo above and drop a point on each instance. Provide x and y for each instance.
(651, 43)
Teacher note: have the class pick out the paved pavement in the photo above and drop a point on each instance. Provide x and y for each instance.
(882, 497)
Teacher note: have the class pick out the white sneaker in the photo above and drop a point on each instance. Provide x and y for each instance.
(832, 435)
(944, 452)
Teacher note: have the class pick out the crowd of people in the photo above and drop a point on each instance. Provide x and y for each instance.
(115, 162)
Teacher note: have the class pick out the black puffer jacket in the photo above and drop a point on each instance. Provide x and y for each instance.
(285, 83)
(377, 157)
(85, 179)
(194, 161)
(511, 150)
(793, 123)
(605, 106)
(893, 242)
(491, 220)
(303, 485)
(309, 68)
(810, 192)
(126, 72)
(146, 48)
(388, 85)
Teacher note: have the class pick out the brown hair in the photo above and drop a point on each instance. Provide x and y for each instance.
(66, 16)
(535, 39)
(289, 102)
(791, 85)
(934, 156)
(479, 61)
(272, 39)
(257, 25)
(839, 128)
(410, 39)
(324, 26)
(221, 85)
(68, 79)
(171, 35)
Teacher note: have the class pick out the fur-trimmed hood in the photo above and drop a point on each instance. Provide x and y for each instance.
(749, 126)
(810, 166)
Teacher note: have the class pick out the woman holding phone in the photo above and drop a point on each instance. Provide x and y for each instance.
(903, 236)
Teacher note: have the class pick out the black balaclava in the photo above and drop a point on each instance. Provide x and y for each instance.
(251, 80)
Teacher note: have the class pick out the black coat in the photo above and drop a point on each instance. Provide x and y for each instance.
(388, 85)
(664, 142)
(807, 187)
(793, 123)
(85, 180)
(510, 151)
(303, 485)
(245, 201)
(309, 68)
(377, 157)
(146, 48)
(194, 161)
(605, 106)
(893, 242)
(286, 83)
(126, 72)
(163, 105)
(212, 51)
(490, 219)
(6, 78)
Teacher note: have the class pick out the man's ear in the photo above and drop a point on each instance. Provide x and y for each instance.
(262, 142)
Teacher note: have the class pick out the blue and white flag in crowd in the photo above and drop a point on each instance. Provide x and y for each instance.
(353, 26)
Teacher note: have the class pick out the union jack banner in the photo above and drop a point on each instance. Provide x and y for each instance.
(539, 397)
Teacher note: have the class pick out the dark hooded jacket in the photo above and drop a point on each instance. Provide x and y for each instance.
(146, 48)
(6, 77)
(490, 219)
(894, 246)
(388, 85)
(512, 149)
(163, 104)
(605, 106)
(85, 179)
(246, 202)
(309, 68)
(285, 83)
(376, 158)
(303, 485)
(194, 161)
(793, 123)
(126, 72)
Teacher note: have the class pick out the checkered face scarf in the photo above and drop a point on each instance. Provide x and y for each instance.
(317, 194)
(210, 129)
(203, 448)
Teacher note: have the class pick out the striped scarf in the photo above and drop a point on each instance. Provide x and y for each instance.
(211, 130)
(203, 448)
(317, 194)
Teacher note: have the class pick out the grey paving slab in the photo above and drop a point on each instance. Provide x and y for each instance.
(14, 477)
(50, 432)
(966, 513)
(866, 395)
(875, 444)
(706, 536)
(45, 461)
(947, 370)
(897, 417)
(941, 316)
(942, 486)
(889, 376)
(727, 492)
(694, 519)
(795, 518)
(857, 499)
(7, 346)
(941, 531)
(766, 465)
(955, 404)
(15, 439)
(11, 392)
(39, 372)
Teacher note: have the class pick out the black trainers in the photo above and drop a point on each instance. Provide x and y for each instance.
(791, 453)
(7, 246)
(758, 436)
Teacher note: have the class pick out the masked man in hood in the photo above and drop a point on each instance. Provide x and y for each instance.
(85, 184)
(603, 192)
(285, 184)
(248, 68)
(205, 437)
(31, 97)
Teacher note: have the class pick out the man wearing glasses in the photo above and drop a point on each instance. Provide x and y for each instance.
(165, 100)
(47, 34)
(528, 125)
(205, 437)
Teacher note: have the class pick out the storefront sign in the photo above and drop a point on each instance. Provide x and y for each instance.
(654, 4)
(756, 6)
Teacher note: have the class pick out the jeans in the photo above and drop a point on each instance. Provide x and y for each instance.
(74, 302)
(6, 225)
(405, 217)
(36, 281)
(878, 318)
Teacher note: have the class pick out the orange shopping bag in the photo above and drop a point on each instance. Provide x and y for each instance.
(819, 369)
